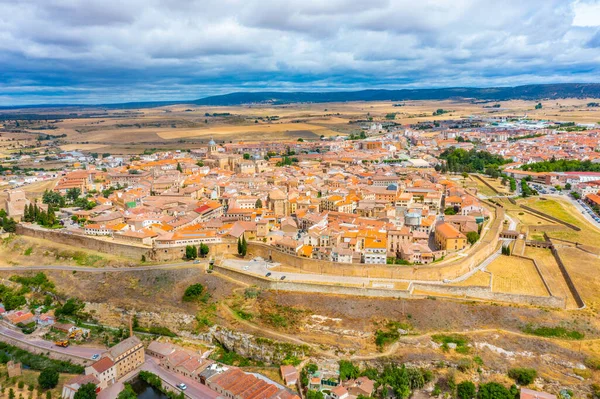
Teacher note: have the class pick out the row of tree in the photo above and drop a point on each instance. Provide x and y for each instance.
(192, 252)
(563, 165)
(459, 160)
(34, 214)
(242, 246)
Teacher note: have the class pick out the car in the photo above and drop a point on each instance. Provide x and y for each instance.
(196, 261)
(182, 386)
(96, 356)
(246, 267)
(282, 278)
(268, 274)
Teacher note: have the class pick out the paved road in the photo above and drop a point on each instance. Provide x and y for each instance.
(182, 265)
(73, 350)
(194, 389)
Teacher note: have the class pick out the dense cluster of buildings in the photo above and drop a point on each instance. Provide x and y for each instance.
(338, 200)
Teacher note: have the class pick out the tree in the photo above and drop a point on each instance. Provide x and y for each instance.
(239, 246)
(538, 106)
(204, 250)
(493, 390)
(9, 225)
(310, 394)
(244, 246)
(246, 156)
(143, 258)
(179, 169)
(70, 308)
(472, 237)
(86, 391)
(127, 393)
(11, 393)
(73, 193)
(348, 370)
(466, 390)
(258, 204)
(568, 186)
(523, 376)
(450, 211)
(191, 252)
(300, 139)
(48, 378)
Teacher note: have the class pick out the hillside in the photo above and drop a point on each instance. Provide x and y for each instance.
(528, 92)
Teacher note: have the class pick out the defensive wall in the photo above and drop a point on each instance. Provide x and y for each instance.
(128, 250)
(471, 292)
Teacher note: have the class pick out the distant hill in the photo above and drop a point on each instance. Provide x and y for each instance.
(528, 92)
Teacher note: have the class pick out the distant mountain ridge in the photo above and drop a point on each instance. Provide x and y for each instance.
(526, 92)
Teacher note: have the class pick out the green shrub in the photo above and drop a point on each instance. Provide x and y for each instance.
(193, 293)
(465, 390)
(553, 332)
(523, 376)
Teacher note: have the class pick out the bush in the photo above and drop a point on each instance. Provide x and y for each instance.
(48, 378)
(592, 363)
(553, 332)
(465, 390)
(193, 292)
(523, 376)
(493, 390)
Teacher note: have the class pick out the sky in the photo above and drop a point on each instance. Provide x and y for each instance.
(110, 51)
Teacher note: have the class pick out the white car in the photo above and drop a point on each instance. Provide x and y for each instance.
(182, 386)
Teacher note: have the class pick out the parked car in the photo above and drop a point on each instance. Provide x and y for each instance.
(268, 274)
(246, 267)
(182, 386)
(96, 357)
(282, 278)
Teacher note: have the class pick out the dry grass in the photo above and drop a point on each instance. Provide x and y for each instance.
(584, 270)
(565, 211)
(266, 130)
(516, 276)
(30, 251)
(479, 278)
(82, 147)
(527, 218)
(552, 274)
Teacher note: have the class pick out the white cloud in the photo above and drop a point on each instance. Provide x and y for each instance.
(208, 46)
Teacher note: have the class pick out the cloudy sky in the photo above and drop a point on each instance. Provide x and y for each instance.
(102, 51)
